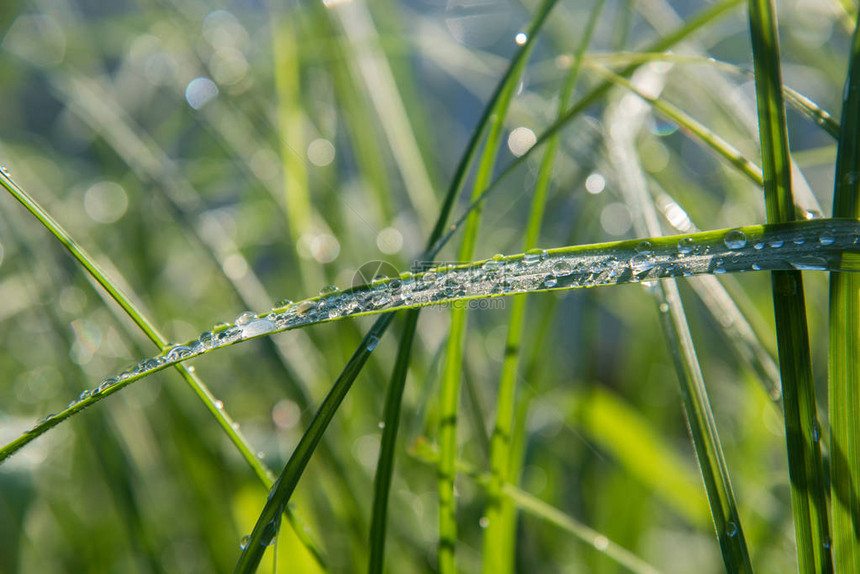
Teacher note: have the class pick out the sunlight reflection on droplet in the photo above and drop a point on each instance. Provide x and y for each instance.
(521, 140)
(521, 38)
(199, 92)
(321, 152)
(105, 202)
(595, 183)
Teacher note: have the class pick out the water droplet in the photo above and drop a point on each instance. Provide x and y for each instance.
(685, 245)
(644, 247)
(550, 281)
(245, 318)
(826, 238)
(258, 327)
(641, 262)
(719, 266)
(809, 263)
(430, 277)
(206, 337)
(532, 256)
(562, 268)
(735, 239)
(799, 240)
(664, 307)
(776, 243)
(484, 522)
(329, 289)
(372, 342)
(177, 352)
(381, 424)
(816, 431)
(490, 266)
(244, 542)
(380, 300)
(283, 303)
(305, 307)
(731, 529)
(758, 245)
(219, 405)
(4, 169)
(85, 395)
(498, 257)
(756, 267)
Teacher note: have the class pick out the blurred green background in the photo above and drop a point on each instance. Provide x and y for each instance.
(220, 156)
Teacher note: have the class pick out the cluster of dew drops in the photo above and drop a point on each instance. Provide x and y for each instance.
(535, 270)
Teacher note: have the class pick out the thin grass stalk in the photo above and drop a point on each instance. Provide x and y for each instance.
(499, 542)
(449, 392)
(287, 75)
(844, 358)
(438, 238)
(284, 487)
(151, 331)
(802, 429)
(623, 126)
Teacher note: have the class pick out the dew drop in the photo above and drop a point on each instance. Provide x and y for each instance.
(758, 245)
(644, 248)
(641, 262)
(372, 342)
(776, 243)
(430, 277)
(219, 405)
(490, 266)
(799, 240)
(484, 522)
(206, 337)
(756, 267)
(305, 307)
(244, 542)
(177, 352)
(731, 529)
(685, 245)
(245, 318)
(282, 303)
(826, 238)
(735, 239)
(498, 257)
(550, 281)
(381, 425)
(329, 289)
(562, 268)
(258, 327)
(532, 256)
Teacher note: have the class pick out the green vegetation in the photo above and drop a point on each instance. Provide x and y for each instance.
(438, 406)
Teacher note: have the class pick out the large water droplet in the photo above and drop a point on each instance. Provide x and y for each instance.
(329, 289)
(776, 243)
(731, 529)
(244, 542)
(562, 268)
(550, 281)
(245, 318)
(533, 256)
(685, 245)
(258, 327)
(490, 266)
(177, 352)
(641, 262)
(826, 238)
(735, 239)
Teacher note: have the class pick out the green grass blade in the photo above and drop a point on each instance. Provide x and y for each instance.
(845, 342)
(540, 509)
(434, 244)
(230, 428)
(809, 501)
(449, 391)
(766, 248)
(623, 126)
(499, 535)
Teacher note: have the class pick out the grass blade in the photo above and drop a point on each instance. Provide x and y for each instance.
(845, 342)
(809, 501)
(125, 302)
(499, 539)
